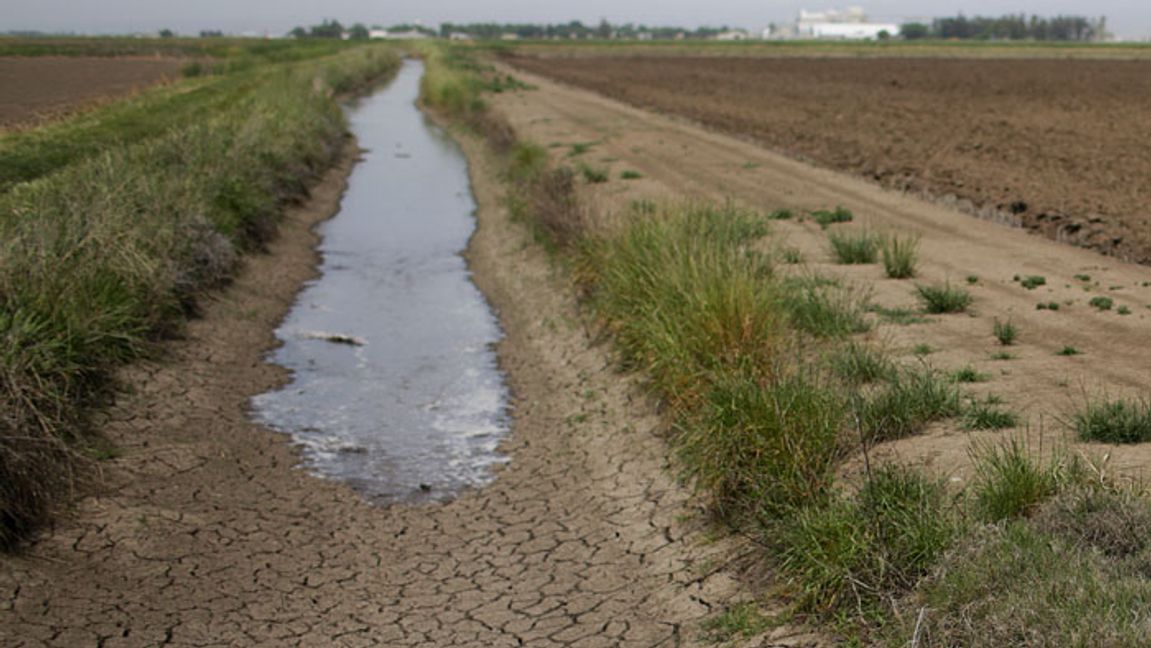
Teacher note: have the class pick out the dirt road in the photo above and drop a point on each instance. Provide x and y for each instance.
(207, 534)
(33, 89)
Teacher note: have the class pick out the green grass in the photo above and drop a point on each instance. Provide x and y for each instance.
(791, 256)
(630, 174)
(902, 407)
(1114, 421)
(972, 280)
(579, 148)
(780, 214)
(592, 174)
(821, 308)
(900, 316)
(1003, 355)
(943, 298)
(985, 415)
(848, 558)
(860, 364)
(827, 217)
(1005, 332)
(1010, 482)
(1031, 282)
(854, 247)
(968, 375)
(900, 255)
(744, 620)
(1101, 303)
(1052, 306)
(109, 253)
(1068, 351)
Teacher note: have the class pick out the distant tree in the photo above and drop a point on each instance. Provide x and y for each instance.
(167, 33)
(884, 35)
(603, 31)
(358, 32)
(914, 31)
(298, 32)
(211, 33)
(327, 29)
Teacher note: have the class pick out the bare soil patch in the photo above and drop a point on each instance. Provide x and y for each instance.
(33, 89)
(1058, 146)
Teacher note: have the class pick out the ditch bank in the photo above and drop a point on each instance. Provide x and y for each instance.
(206, 530)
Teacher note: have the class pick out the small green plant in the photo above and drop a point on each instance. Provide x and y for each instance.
(968, 375)
(943, 298)
(1123, 310)
(1031, 282)
(744, 620)
(830, 217)
(860, 364)
(910, 400)
(1083, 277)
(854, 247)
(823, 308)
(900, 316)
(1005, 332)
(899, 256)
(922, 349)
(593, 175)
(1002, 355)
(644, 206)
(579, 148)
(1114, 421)
(780, 214)
(630, 175)
(792, 255)
(1101, 303)
(972, 280)
(1047, 306)
(1010, 483)
(984, 415)
(1068, 351)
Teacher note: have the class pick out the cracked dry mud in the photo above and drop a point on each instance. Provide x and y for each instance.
(206, 533)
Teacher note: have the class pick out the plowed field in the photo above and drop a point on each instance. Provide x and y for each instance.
(1060, 146)
(34, 88)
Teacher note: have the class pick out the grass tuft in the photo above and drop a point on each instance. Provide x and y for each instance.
(943, 298)
(1114, 421)
(854, 247)
(1005, 332)
(900, 256)
(910, 400)
(984, 415)
(1010, 483)
(826, 217)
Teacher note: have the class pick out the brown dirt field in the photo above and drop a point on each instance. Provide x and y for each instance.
(679, 160)
(1059, 146)
(207, 533)
(34, 89)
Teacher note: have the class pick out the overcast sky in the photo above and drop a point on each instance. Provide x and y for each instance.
(1128, 18)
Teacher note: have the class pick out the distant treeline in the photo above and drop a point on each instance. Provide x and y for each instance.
(577, 30)
(1011, 27)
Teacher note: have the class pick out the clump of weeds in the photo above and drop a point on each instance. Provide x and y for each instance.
(943, 298)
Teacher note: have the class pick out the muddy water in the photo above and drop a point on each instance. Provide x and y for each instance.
(395, 387)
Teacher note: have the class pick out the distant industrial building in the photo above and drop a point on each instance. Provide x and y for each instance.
(832, 24)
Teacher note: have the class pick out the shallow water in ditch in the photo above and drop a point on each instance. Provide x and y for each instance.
(395, 388)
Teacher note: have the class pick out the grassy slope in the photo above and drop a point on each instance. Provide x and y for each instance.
(767, 392)
(104, 254)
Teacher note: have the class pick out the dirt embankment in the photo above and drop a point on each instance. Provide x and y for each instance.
(1058, 145)
(207, 533)
(33, 89)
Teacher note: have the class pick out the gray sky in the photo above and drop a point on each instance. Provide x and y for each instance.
(1125, 17)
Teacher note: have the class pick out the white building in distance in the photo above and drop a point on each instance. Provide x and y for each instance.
(832, 24)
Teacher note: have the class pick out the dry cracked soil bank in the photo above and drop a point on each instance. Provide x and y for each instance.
(206, 533)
